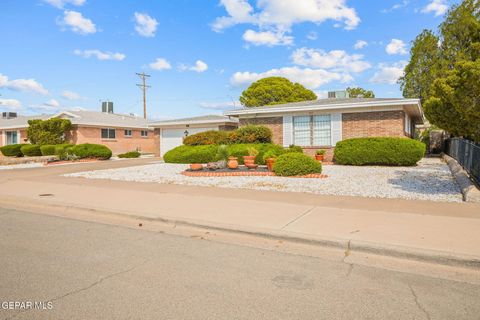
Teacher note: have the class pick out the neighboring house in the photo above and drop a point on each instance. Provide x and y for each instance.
(170, 133)
(121, 133)
(320, 124)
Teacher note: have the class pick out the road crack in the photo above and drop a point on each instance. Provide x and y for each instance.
(418, 303)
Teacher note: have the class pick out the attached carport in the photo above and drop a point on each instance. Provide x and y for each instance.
(172, 132)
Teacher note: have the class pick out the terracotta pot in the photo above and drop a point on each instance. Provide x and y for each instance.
(319, 157)
(248, 158)
(248, 162)
(270, 162)
(252, 166)
(232, 163)
(196, 166)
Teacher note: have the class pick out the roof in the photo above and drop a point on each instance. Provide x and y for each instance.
(83, 117)
(331, 104)
(208, 119)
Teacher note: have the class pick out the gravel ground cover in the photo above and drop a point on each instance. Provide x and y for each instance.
(430, 180)
(21, 166)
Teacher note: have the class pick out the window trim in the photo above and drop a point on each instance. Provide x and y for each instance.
(5, 137)
(127, 135)
(144, 131)
(109, 130)
(311, 130)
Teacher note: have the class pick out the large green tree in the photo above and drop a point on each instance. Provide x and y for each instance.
(360, 92)
(275, 90)
(51, 131)
(445, 73)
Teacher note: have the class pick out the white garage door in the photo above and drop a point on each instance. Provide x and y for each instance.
(172, 138)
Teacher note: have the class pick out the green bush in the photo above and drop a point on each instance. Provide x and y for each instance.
(12, 150)
(240, 150)
(47, 150)
(293, 148)
(87, 150)
(379, 151)
(296, 164)
(31, 150)
(50, 131)
(251, 134)
(61, 150)
(207, 138)
(130, 154)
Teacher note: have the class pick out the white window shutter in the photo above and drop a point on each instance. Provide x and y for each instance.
(336, 127)
(287, 131)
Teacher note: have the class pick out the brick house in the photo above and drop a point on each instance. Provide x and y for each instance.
(119, 132)
(320, 124)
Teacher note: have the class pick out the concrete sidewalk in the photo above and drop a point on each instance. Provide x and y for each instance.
(438, 232)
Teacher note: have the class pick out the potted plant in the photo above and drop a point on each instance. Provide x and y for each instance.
(252, 154)
(269, 158)
(196, 166)
(222, 155)
(232, 163)
(319, 155)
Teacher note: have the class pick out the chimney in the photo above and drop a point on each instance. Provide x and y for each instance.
(9, 115)
(107, 107)
(338, 95)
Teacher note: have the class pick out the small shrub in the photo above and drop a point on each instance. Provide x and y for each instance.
(296, 164)
(48, 150)
(207, 138)
(87, 150)
(251, 134)
(130, 154)
(379, 151)
(293, 148)
(253, 152)
(191, 154)
(270, 154)
(31, 150)
(12, 150)
(222, 153)
(61, 150)
(320, 152)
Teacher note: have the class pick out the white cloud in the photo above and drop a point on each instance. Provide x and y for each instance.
(52, 103)
(160, 64)
(100, 55)
(312, 35)
(70, 95)
(337, 60)
(389, 73)
(360, 44)
(61, 3)
(311, 78)
(199, 66)
(10, 104)
(77, 23)
(438, 7)
(268, 38)
(227, 105)
(280, 16)
(23, 85)
(396, 46)
(397, 6)
(145, 25)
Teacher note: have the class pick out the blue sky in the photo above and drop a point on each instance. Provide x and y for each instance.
(63, 54)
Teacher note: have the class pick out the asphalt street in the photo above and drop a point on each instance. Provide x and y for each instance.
(90, 270)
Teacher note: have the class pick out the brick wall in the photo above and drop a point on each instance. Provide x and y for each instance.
(373, 124)
(274, 123)
(120, 144)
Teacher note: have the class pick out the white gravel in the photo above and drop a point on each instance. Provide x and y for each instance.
(430, 180)
(21, 166)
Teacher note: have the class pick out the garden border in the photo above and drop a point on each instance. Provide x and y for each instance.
(243, 174)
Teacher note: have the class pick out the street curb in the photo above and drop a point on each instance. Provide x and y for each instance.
(469, 190)
(348, 246)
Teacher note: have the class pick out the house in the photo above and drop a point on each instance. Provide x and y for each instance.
(170, 133)
(322, 123)
(119, 132)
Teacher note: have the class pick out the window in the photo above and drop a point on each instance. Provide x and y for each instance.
(128, 133)
(144, 133)
(12, 137)
(108, 133)
(312, 131)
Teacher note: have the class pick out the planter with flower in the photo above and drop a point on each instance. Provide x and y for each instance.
(269, 157)
(320, 155)
(249, 160)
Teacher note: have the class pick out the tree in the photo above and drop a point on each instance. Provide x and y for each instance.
(360, 92)
(275, 90)
(51, 131)
(423, 68)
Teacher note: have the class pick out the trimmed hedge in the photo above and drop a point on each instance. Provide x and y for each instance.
(204, 154)
(296, 164)
(130, 154)
(251, 134)
(207, 138)
(12, 150)
(379, 151)
(87, 150)
(31, 150)
(48, 149)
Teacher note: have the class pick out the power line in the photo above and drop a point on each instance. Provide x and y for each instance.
(144, 87)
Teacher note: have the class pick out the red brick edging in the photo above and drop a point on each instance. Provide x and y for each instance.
(243, 173)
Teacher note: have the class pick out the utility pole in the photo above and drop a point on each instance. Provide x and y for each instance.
(144, 87)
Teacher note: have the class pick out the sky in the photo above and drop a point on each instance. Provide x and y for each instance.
(73, 54)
